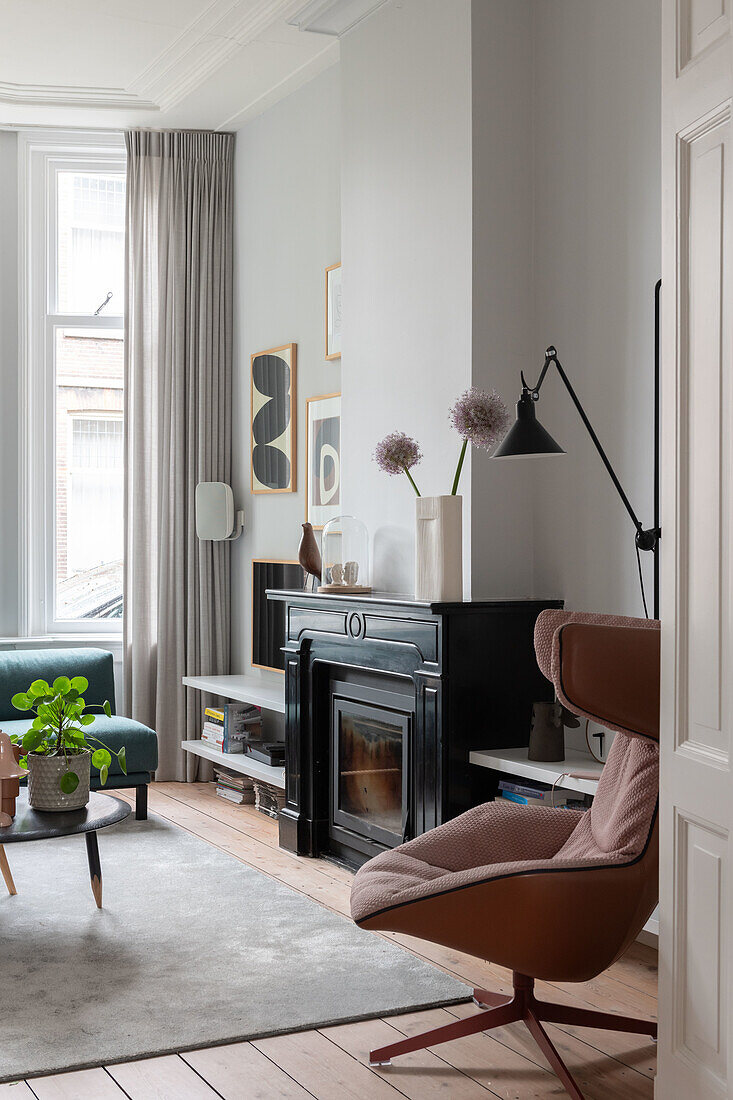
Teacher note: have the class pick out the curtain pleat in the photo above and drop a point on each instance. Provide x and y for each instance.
(178, 382)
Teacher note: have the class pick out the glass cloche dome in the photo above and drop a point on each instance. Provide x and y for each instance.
(345, 556)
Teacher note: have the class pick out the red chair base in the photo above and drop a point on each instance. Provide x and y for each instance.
(500, 1010)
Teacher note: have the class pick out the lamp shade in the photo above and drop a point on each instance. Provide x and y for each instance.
(526, 435)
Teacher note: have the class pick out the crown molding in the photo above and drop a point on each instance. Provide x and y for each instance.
(66, 95)
(205, 45)
(333, 17)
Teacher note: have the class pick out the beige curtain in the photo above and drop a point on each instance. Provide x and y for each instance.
(178, 374)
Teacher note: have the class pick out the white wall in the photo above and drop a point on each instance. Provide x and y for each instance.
(406, 232)
(597, 257)
(502, 504)
(9, 383)
(287, 231)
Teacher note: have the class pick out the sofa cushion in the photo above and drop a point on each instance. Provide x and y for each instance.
(20, 667)
(141, 743)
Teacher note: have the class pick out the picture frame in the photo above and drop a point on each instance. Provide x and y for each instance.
(333, 311)
(268, 616)
(273, 420)
(323, 459)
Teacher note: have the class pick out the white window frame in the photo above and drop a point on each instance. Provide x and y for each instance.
(41, 156)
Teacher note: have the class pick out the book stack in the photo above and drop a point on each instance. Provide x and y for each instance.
(238, 789)
(268, 799)
(227, 728)
(530, 793)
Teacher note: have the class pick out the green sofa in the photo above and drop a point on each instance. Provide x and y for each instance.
(18, 669)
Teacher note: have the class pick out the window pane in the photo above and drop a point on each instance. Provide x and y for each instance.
(91, 239)
(89, 474)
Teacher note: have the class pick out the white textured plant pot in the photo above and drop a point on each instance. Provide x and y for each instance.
(439, 548)
(44, 774)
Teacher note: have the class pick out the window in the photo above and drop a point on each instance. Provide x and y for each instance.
(74, 389)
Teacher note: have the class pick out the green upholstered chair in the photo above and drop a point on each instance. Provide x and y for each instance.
(19, 667)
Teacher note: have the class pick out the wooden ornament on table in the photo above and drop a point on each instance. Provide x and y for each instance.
(309, 555)
(10, 775)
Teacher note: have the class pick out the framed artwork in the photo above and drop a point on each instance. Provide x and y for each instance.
(323, 458)
(333, 311)
(268, 616)
(273, 411)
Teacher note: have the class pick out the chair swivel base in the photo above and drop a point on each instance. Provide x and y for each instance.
(498, 1010)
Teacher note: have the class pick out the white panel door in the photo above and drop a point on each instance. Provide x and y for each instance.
(696, 925)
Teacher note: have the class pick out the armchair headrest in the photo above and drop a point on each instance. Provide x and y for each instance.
(603, 667)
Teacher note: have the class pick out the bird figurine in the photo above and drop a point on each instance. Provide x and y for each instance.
(309, 555)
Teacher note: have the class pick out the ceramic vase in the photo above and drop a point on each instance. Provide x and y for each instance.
(439, 549)
(44, 774)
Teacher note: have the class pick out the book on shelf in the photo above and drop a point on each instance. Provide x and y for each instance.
(267, 752)
(559, 798)
(217, 741)
(529, 792)
(239, 798)
(232, 722)
(268, 799)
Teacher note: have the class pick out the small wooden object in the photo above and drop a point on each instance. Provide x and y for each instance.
(10, 776)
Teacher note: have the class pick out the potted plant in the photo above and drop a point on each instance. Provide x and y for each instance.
(480, 418)
(58, 749)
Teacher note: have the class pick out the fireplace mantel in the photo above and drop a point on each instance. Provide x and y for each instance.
(464, 673)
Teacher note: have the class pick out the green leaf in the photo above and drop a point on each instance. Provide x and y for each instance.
(61, 685)
(38, 723)
(39, 687)
(21, 701)
(86, 719)
(32, 740)
(122, 760)
(76, 737)
(103, 773)
(79, 683)
(72, 694)
(101, 759)
(107, 708)
(68, 782)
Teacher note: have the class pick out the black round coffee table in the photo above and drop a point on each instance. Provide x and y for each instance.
(29, 824)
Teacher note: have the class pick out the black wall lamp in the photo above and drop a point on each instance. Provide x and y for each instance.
(527, 437)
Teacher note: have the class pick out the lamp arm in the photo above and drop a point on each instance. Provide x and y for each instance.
(645, 539)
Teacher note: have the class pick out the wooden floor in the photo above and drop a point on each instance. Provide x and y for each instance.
(332, 1063)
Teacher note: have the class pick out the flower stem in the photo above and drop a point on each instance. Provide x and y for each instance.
(417, 491)
(457, 478)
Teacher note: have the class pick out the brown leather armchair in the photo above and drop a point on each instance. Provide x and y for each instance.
(550, 893)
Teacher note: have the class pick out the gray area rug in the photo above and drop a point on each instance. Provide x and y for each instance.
(192, 949)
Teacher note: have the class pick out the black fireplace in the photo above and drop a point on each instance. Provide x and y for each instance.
(385, 698)
(369, 766)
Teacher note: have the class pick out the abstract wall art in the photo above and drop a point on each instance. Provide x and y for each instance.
(323, 458)
(273, 445)
(333, 312)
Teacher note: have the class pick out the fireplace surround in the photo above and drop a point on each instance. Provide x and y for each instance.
(385, 697)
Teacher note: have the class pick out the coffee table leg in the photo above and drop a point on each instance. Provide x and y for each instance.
(5, 868)
(95, 868)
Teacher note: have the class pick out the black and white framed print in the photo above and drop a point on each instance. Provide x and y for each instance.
(268, 616)
(333, 311)
(273, 441)
(323, 458)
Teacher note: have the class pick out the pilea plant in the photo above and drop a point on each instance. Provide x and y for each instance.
(60, 727)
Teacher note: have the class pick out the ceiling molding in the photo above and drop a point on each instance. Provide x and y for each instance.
(205, 45)
(333, 17)
(66, 95)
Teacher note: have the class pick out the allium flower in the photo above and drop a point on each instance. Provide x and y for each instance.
(481, 418)
(397, 453)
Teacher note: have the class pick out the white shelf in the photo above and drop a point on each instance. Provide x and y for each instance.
(516, 762)
(245, 689)
(238, 762)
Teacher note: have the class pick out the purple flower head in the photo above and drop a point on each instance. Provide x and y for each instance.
(481, 418)
(397, 453)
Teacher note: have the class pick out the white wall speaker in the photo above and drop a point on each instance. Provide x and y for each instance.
(215, 512)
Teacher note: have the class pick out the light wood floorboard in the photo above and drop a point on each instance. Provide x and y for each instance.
(333, 1063)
